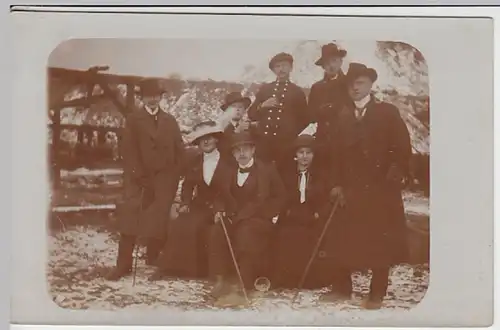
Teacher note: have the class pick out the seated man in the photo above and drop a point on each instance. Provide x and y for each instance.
(302, 219)
(185, 253)
(253, 195)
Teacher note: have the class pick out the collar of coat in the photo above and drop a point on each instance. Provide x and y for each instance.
(327, 78)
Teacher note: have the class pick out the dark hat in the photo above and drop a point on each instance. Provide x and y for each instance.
(280, 58)
(304, 140)
(205, 128)
(234, 97)
(150, 87)
(242, 138)
(357, 70)
(330, 50)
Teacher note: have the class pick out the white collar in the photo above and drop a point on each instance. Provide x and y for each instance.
(304, 170)
(150, 111)
(234, 122)
(361, 104)
(331, 78)
(250, 163)
(215, 154)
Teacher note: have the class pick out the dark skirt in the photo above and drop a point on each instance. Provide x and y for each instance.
(293, 246)
(186, 252)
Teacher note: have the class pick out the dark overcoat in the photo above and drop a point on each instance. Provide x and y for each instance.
(298, 230)
(371, 229)
(152, 154)
(278, 126)
(250, 226)
(326, 99)
(186, 251)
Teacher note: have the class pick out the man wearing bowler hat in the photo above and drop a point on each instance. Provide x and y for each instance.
(235, 106)
(252, 195)
(280, 109)
(371, 166)
(326, 98)
(152, 154)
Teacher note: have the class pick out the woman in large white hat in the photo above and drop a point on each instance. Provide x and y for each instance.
(184, 254)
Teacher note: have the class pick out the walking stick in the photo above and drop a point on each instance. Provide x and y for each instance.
(315, 250)
(221, 219)
(136, 246)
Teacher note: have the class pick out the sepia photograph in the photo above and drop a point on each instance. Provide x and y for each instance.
(199, 174)
(218, 169)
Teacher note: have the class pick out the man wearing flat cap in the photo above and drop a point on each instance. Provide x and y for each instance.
(326, 99)
(370, 170)
(252, 195)
(280, 109)
(152, 154)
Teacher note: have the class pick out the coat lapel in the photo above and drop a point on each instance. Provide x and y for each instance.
(147, 123)
(162, 128)
(218, 174)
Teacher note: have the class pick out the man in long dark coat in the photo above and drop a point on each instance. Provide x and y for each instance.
(280, 109)
(372, 163)
(326, 99)
(186, 254)
(253, 195)
(152, 154)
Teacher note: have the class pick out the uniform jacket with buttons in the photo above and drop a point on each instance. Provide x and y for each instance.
(286, 120)
(153, 152)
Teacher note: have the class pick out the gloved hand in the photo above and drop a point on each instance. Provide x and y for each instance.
(395, 175)
(337, 193)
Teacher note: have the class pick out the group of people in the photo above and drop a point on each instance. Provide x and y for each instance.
(260, 191)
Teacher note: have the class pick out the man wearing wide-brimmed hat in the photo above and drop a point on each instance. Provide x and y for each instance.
(185, 252)
(370, 167)
(327, 98)
(152, 154)
(253, 195)
(280, 109)
(235, 106)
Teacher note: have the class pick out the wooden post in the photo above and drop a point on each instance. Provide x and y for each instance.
(56, 138)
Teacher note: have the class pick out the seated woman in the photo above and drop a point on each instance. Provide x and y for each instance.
(301, 221)
(185, 253)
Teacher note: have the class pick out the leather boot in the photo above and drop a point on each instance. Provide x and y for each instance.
(221, 287)
(117, 273)
(157, 276)
(372, 303)
(124, 259)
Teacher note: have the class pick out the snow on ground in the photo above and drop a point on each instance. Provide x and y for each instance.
(80, 255)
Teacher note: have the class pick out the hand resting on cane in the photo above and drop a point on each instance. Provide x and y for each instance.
(337, 193)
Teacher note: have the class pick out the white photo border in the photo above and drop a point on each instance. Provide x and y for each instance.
(460, 292)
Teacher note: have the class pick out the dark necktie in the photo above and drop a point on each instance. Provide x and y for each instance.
(245, 170)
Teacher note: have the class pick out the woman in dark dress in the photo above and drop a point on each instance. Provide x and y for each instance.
(185, 253)
(301, 221)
